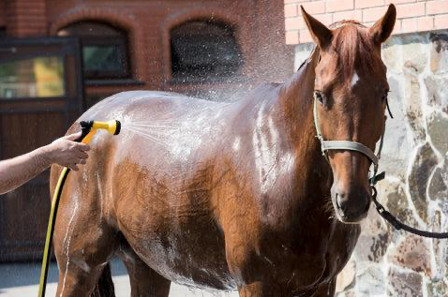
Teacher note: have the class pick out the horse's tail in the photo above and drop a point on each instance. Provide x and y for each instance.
(105, 286)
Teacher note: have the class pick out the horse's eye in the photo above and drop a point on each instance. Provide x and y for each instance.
(319, 96)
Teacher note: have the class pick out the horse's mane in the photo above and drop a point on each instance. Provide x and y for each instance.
(339, 24)
(354, 47)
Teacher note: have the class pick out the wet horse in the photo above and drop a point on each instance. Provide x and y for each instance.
(230, 196)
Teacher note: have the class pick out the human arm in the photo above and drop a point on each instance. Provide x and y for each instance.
(63, 151)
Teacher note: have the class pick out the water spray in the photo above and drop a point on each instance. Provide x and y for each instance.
(88, 130)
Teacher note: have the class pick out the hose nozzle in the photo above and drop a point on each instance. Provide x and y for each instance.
(89, 129)
(113, 126)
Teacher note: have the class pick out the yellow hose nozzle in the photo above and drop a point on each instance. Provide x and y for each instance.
(113, 126)
(89, 128)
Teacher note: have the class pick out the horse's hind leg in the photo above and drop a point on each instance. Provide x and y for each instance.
(83, 245)
(75, 281)
(80, 268)
(81, 260)
(145, 282)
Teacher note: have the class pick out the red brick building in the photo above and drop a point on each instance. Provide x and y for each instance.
(58, 57)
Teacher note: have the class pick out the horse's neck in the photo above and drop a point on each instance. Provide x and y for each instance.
(296, 103)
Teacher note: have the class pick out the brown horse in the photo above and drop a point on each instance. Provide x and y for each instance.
(230, 196)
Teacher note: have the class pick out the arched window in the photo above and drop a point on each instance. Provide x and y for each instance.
(204, 49)
(104, 49)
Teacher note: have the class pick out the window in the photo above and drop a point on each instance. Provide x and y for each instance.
(32, 78)
(104, 49)
(204, 50)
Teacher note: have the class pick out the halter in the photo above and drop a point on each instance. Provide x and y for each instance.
(359, 147)
(326, 145)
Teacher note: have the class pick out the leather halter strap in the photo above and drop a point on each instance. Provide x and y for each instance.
(345, 144)
(350, 145)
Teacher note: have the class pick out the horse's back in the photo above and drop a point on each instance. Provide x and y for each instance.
(160, 104)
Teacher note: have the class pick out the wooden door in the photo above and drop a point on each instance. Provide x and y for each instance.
(41, 94)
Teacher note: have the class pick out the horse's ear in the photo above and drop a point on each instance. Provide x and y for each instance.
(319, 32)
(383, 28)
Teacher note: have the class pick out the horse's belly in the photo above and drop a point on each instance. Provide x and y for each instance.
(186, 256)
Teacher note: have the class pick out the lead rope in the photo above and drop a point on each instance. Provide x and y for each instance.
(399, 225)
(391, 219)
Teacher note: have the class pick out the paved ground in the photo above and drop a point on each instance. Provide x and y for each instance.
(22, 280)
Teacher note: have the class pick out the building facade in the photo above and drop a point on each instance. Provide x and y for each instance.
(59, 57)
(387, 262)
(144, 32)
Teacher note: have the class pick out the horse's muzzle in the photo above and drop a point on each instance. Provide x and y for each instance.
(351, 204)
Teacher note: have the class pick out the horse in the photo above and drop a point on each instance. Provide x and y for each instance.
(230, 196)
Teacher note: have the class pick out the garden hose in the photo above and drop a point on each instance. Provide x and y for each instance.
(88, 130)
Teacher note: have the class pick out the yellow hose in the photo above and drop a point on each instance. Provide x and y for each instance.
(113, 127)
(52, 220)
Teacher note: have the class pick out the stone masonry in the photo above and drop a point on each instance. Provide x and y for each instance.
(387, 262)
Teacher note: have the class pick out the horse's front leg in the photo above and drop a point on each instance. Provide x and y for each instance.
(327, 289)
(253, 290)
(262, 289)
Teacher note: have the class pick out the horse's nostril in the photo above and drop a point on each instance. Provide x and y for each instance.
(337, 201)
(352, 206)
(341, 202)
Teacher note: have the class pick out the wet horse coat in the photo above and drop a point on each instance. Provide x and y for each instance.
(215, 195)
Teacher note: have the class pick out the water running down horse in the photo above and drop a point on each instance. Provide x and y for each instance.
(230, 196)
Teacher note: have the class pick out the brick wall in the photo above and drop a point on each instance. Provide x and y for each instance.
(412, 15)
(25, 18)
(2, 14)
(259, 32)
(258, 23)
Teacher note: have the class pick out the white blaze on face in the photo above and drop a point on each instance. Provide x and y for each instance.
(355, 79)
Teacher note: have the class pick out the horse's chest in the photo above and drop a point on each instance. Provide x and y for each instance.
(341, 245)
(296, 265)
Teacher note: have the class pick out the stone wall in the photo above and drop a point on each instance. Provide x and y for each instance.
(387, 262)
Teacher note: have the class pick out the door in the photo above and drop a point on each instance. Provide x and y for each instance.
(41, 94)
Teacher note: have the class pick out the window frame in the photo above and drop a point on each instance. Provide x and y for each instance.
(120, 40)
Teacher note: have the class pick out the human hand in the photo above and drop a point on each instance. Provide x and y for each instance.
(66, 152)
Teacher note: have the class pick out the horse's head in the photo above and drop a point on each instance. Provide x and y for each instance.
(351, 92)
